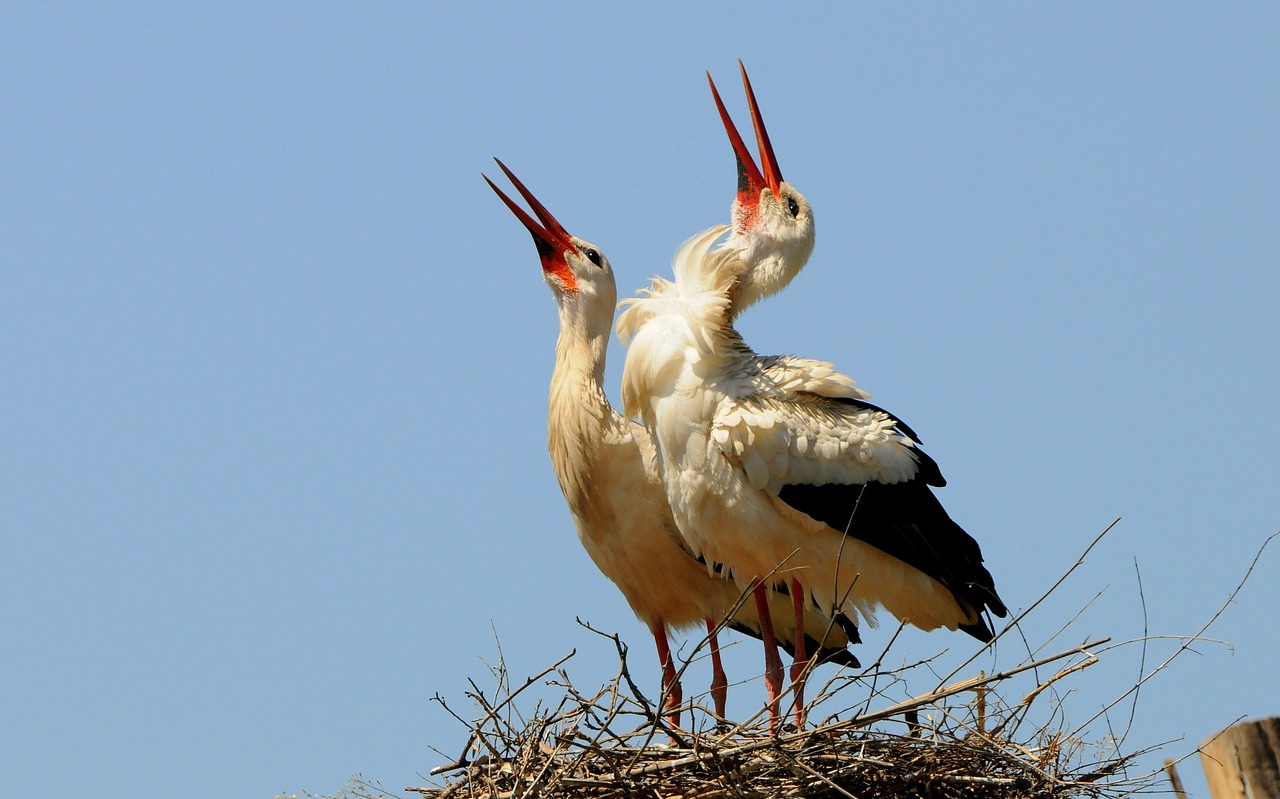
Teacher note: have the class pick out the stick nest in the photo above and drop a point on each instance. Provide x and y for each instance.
(959, 740)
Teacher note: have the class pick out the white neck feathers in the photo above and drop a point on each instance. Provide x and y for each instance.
(579, 415)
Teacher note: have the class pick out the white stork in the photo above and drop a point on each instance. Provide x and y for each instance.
(607, 469)
(763, 474)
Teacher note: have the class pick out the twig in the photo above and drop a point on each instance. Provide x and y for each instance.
(1187, 642)
(1071, 669)
(655, 719)
(864, 720)
(1018, 618)
(462, 759)
(967, 685)
(1142, 659)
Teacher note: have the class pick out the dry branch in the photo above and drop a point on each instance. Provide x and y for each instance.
(585, 750)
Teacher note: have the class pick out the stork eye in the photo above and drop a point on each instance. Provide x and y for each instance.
(793, 206)
(593, 256)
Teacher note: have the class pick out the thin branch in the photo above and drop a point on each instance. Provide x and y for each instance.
(657, 719)
(1142, 660)
(1018, 618)
(462, 759)
(1231, 598)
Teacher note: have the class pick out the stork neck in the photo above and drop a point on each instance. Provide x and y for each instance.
(580, 414)
(581, 350)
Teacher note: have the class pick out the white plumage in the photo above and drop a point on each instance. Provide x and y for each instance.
(797, 473)
(731, 439)
(607, 469)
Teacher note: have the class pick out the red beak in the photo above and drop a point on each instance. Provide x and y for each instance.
(750, 179)
(770, 161)
(550, 237)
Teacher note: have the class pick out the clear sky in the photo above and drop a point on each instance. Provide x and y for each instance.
(274, 363)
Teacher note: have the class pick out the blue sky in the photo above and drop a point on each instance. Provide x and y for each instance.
(273, 388)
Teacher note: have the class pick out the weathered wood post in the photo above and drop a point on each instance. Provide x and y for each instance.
(1243, 761)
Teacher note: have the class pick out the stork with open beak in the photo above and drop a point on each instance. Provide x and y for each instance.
(772, 223)
(801, 482)
(607, 469)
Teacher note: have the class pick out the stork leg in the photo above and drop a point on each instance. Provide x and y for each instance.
(719, 682)
(670, 684)
(801, 660)
(772, 663)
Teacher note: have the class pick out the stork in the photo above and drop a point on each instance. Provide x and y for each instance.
(607, 469)
(764, 475)
(773, 232)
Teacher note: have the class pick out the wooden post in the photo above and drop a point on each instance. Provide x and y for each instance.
(1171, 768)
(1243, 761)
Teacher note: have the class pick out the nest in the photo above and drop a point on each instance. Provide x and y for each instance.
(961, 739)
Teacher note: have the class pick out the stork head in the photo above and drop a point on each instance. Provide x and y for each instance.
(578, 273)
(772, 222)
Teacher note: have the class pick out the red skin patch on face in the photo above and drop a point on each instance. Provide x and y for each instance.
(747, 211)
(560, 268)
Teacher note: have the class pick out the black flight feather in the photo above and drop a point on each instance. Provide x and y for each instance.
(906, 521)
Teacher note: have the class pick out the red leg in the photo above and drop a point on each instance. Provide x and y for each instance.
(772, 663)
(719, 682)
(801, 659)
(670, 685)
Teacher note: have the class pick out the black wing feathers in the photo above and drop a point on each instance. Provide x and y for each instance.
(906, 521)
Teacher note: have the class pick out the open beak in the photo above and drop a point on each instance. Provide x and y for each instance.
(550, 237)
(768, 160)
(751, 180)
